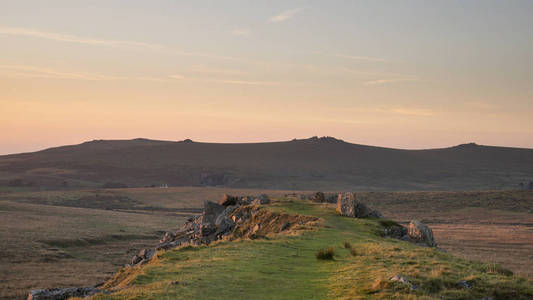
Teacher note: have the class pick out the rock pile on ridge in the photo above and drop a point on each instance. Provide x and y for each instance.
(231, 217)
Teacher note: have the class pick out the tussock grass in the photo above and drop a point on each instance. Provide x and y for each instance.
(326, 254)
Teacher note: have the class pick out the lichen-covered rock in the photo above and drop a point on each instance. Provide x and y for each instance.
(420, 233)
(347, 205)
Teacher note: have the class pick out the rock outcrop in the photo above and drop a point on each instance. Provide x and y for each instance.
(403, 280)
(417, 232)
(318, 197)
(420, 233)
(347, 205)
(261, 200)
(61, 294)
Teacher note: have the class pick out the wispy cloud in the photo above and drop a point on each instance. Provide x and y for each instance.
(68, 38)
(177, 76)
(409, 111)
(40, 72)
(74, 39)
(363, 58)
(391, 80)
(241, 32)
(205, 69)
(285, 15)
(247, 82)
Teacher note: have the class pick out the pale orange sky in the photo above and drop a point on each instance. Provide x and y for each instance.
(413, 74)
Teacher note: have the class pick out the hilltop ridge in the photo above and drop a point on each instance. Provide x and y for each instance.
(315, 163)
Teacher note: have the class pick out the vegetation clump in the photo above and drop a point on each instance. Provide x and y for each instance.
(326, 254)
(497, 269)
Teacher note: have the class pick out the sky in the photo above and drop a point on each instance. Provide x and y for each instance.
(403, 74)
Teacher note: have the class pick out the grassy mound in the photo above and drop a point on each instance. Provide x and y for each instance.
(285, 266)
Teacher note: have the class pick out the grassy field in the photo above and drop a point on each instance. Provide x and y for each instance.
(48, 237)
(286, 267)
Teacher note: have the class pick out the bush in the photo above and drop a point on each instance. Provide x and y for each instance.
(347, 245)
(326, 254)
(353, 252)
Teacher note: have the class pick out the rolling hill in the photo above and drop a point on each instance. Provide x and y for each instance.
(315, 163)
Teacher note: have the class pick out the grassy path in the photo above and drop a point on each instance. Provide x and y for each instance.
(286, 267)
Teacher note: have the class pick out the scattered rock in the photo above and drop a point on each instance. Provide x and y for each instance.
(396, 232)
(144, 255)
(421, 234)
(285, 226)
(403, 280)
(466, 284)
(331, 197)
(319, 197)
(261, 200)
(61, 294)
(347, 205)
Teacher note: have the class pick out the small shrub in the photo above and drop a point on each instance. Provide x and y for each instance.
(353, 252)
(347, 245)
(326, 254)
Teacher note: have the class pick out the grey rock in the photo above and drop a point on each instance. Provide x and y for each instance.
(62, 294)
(403, 280)
(466, 284)
(331, 197)
(319, 197)
(396, 232)
(420, 233)
(347, 205)
(169, 236)
(211, 212)
(285, 226)
(261, 200)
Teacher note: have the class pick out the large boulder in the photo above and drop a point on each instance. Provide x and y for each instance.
(211, 212)
(347, 205)
(420, 233)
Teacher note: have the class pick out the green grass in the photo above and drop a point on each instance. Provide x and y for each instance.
(287, 268)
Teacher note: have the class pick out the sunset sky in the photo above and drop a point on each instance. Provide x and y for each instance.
(403, 74)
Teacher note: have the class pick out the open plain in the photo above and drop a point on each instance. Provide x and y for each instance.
(76, 238)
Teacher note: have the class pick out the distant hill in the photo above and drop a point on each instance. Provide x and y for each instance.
(316, 163)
